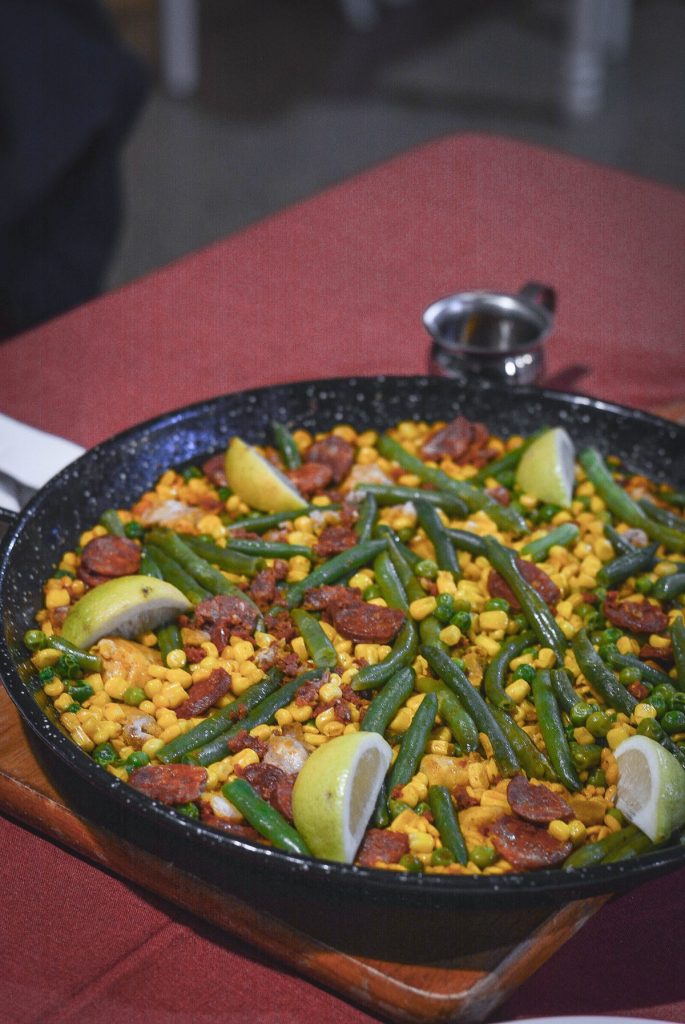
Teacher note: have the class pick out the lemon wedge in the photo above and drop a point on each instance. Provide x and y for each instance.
(126, 606)
(257, 482)
(651, 787)
(335, 793)
(547, 470)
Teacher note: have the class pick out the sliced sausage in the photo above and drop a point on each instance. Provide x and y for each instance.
(367, 623)
(239, 830)
(453, 440)
(664, 654)
(334, 452)
(213, 468)
(334, 540)
(170, 783)
(264, 587)
(381, 845)
(637, 616)
(224, 616)
(527, 846)
(273, 785)
(330, 596)
(204, 694)
(536, 803)
(532, 574)
(311, 477)
(105, 558)
(243, 741)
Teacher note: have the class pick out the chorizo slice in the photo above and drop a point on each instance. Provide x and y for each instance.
(243, 741)
(533, 574)
(310, 477)
(453, 439)
(527, 847)
(170, 783)
(214, 470)
(264, 587)
(224, 616)
(334, 452)
(273, 785)
(381, 845)
(334, 540)
(204, 694)
(329, 596)
(238, 829)
(368, 623)
(536, 803)
(107, 557)
(637, 616)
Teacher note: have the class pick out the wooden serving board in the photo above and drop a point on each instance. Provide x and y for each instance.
(465, 989)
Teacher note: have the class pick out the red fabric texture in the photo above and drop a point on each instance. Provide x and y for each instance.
(335, 287)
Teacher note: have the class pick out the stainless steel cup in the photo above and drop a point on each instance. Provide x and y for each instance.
(491, 335)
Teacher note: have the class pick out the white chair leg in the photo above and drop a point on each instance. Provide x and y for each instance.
(180, 46)
(584, 62)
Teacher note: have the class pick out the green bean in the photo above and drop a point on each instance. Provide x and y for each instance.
(465, 541)
(86, 661)
(632, 847)
(430, 629)
(389, 583)
(538, 615)
(395, 494)
(505, 463)
(259, 714)
(174, 573)
(403, 652)
(617, 571)
(268, 548)
(219, 722)
(111, 521)
(648, 673)
(227, 559)
(475, 499)
(264, 818)
(667, 588)
(622, 506)
(552, 729)
(445, 555)
(335, 568)
(619, 541)
(413, 744)
(321, 650)
(601, 679)
(261, 523)
(388, 701)
(396, 547)
(454, 678)
(168, 640)
(566, 695)
(368, 512)
(594, 853)
(447, 823)
(148, 566)
(534, 763)
(453, 713)
(496, 671)
(662, 515)
(677, 632)
(199, 568)
(562, 536)
(285, 443)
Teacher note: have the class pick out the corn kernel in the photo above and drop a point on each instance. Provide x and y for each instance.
(176, 658)
(54, 688)
(659, 641)
(245, 757)
(401, 721)
(445, 583)
(560, 830)
(421, 842)
(116, 687)
(518, 690)
(105, 731)
(450, 635)
(583, 735)
(665, 569)
(243, 650)
(151, 746)
(576, 831)
(301, 712)
(372, 653)
(422, 608)
(333, 728)
(612, 823)
(57, 598)
(283, 717)
(617, 735)
(626, 645)
(171, 732)
(486, 643)
(642, 711)
(330, 691)
(299, 647)
(179, 677)
(546, 658)
(496, 619)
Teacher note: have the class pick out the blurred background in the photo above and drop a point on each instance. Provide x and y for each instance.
(276, 99)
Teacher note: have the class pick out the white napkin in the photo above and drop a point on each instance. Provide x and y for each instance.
(28, 458)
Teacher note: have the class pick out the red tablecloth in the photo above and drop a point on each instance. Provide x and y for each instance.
(334, 287)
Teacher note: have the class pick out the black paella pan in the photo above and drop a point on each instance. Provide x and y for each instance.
(377, 912)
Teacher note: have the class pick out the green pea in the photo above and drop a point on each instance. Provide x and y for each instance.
(405, 533)
(134, 696)
(526, 672)
(644, 585)
(665, 690)
(629, 675)
(444, 608)
(594, 621)
(598, 724)
(650, 728)
(371, 592)
(483, 856)
(46, 675)
(580, 713)
(73, 709)
(612, 634)
(605, 651)
(104, 753)
(496, 604)
(462, 604)
(601, 593)
(584, 609)
(678, 702)
(673, 721)
(395, 807)
(585, 755)
(190, 810)
(442, 857)
(138, 759)
(422, 807)
(411, 863)
(521, 622)
(134, 530)
(658, 703)
(80, 692)
(35, 639)
(547, 512)
(224, 493)
(462, 620)
(191, 473)
(426, 568)
(597, 778)
(59, 574)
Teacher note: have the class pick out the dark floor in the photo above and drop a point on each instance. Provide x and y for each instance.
(293, 98)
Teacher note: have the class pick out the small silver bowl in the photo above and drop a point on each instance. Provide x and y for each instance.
(491, 335)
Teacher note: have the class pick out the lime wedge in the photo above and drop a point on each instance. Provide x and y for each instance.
(651, 787)
(546, 469)
(126, 606)
(335, 793)
(257, 482)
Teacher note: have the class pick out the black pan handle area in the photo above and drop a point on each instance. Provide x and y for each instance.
(7, 516)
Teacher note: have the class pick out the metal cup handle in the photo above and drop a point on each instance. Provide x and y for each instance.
(539, 295)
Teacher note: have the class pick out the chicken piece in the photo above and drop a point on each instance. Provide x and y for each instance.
(126, 659)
